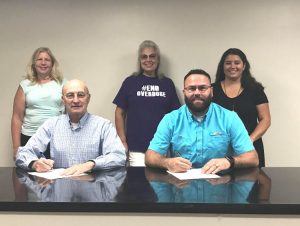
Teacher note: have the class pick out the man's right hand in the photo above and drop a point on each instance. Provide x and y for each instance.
(43, 165)
(178, 164)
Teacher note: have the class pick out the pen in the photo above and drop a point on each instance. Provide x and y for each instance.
(177, 154)
(44, 157)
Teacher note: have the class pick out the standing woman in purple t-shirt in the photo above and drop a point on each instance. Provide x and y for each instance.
(143, 99)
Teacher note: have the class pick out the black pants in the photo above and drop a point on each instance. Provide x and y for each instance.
(24, 140)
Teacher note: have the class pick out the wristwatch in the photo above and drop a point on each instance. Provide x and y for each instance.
(230, 160)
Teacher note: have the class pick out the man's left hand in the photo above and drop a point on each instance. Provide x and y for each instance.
(79, 169)
(214, 166)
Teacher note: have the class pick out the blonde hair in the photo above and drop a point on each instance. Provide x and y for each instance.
(31, 73)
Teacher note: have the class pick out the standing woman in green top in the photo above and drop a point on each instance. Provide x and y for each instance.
(38, 97)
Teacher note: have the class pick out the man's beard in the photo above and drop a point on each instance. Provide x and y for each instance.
(202, 108)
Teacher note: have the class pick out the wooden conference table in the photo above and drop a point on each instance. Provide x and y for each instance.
(271, 190)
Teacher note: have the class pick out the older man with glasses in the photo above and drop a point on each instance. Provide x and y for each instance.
(79, 141)
(200, 134)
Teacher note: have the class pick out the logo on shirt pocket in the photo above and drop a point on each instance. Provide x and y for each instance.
(218, 142)
(217, 133)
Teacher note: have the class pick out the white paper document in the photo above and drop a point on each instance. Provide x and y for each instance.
(53, 174)
(193, 174)
(136, 158)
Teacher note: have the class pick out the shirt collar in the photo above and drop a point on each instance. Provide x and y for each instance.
(81, 122)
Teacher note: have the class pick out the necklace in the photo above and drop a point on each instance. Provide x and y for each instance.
(232, 99)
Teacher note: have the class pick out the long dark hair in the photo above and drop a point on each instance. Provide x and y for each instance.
(247, 80)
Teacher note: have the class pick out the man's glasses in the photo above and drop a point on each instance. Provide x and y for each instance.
(80, 95)
(201, 88)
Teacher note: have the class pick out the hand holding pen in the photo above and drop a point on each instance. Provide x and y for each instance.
(43, 165)
(178, 164)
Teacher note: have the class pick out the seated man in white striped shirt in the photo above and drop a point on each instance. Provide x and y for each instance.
(79, 141)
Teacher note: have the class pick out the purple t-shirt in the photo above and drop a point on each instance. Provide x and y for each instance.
(146, 100)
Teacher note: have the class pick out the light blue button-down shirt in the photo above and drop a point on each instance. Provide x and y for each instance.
(94, 139)
(220, 133)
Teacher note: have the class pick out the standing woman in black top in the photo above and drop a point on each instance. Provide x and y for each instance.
(237, 90)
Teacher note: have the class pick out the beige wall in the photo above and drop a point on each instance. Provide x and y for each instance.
(97, 41)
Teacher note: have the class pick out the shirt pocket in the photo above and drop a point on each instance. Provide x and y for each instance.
(218, 142)
(182, 146)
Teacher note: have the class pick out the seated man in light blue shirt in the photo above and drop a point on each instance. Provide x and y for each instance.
(200, 133)
(79, 141)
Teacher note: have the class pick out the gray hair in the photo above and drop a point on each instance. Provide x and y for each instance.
(154, 46)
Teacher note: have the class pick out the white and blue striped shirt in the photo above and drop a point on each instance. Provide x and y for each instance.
(94, 139)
